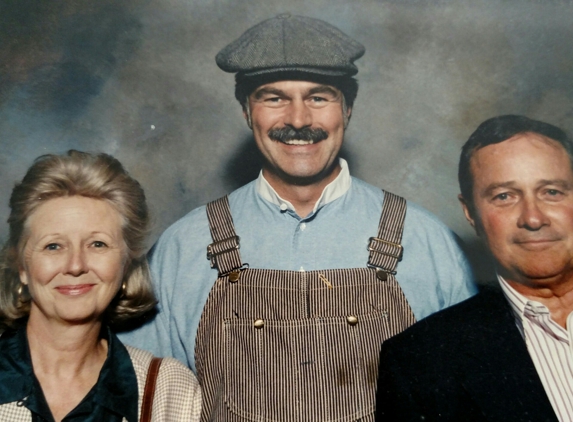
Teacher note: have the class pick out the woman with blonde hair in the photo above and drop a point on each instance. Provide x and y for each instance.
(71, 273)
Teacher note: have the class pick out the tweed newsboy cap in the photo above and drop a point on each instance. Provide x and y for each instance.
(291, 43)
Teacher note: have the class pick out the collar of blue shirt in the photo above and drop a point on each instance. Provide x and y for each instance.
(332, 191)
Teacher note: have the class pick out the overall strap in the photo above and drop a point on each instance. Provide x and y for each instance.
(224, 251)
(386, 249)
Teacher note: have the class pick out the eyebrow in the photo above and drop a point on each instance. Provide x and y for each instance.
(563, 184)
(266, 91)
(488, 191)
(321, 89)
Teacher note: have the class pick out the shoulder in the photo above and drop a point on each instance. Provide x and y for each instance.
(140, 359)
(453, 325)
(170, 369)
(177, 391)
(414, 212)
(365, 191)
(195, 224)
(422, 215)
(178, 375)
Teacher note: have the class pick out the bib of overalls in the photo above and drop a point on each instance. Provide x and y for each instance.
(297, 345)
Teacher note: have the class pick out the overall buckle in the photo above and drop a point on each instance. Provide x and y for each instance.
(214, 248)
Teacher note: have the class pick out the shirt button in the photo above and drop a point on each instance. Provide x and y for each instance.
(284, 207)
(303, 226)
(259, 323)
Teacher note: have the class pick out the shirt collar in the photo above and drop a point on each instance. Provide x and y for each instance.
(334, 190)
(521, 305)
(116, 388)
(16, 374)
(516, 300)
(533, 311)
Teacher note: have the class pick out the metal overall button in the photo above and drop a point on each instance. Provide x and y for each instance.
(352, 320)
(234, 276)
(259, 323)
(381, 274)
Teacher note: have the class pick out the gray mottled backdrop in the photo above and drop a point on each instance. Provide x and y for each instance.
(137, 79)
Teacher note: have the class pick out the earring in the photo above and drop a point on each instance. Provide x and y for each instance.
(20, 292)
(123, 289)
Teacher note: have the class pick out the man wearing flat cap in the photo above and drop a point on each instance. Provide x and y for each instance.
(280, 294)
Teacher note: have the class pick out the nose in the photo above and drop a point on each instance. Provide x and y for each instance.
(298, 115)
(532, 216)
(77, 262)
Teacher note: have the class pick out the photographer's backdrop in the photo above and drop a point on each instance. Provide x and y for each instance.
(137, 79)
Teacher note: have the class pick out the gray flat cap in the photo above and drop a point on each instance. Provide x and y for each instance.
(291, 43)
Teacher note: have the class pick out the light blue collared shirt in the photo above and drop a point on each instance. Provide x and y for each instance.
(433, 273)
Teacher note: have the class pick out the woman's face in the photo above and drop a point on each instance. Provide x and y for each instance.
(74, 259)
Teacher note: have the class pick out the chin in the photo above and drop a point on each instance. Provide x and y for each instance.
(543, 275)
(79, 316)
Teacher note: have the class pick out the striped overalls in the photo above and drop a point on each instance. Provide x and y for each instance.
(297, 345)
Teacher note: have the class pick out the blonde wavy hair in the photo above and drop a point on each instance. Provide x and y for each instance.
(98, 176)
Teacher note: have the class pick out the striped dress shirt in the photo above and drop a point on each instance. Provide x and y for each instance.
(550, 348)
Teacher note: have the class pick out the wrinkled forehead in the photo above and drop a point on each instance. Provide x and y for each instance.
(110, 210)
(523, 159)
(507, 149)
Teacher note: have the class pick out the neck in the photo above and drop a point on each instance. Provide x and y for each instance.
(556, 295)
(302, 194)
(64, 349)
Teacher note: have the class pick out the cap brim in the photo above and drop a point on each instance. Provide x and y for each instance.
(300, 69)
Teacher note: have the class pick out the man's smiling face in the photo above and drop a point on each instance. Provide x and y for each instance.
(298, 127)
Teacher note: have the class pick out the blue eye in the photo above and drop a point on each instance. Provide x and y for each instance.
(52, 247)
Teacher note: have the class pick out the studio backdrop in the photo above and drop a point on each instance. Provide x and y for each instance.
(137, 79)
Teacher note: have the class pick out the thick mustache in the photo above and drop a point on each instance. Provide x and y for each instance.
(285, 134)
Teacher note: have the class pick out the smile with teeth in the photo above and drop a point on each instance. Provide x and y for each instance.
(298, 142)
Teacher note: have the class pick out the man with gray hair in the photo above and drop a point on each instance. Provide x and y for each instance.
(284, 319)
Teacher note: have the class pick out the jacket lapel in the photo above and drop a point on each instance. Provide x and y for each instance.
(501, 376)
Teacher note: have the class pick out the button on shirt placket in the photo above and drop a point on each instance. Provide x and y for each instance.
(298, 241)
(300, 252)
(300, 244)
(295, 224)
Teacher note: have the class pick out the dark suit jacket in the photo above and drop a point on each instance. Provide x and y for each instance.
(465, 363)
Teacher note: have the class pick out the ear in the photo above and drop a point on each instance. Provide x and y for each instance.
(466, 207)
(347, 115)
(23, 276)
(247, 114)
